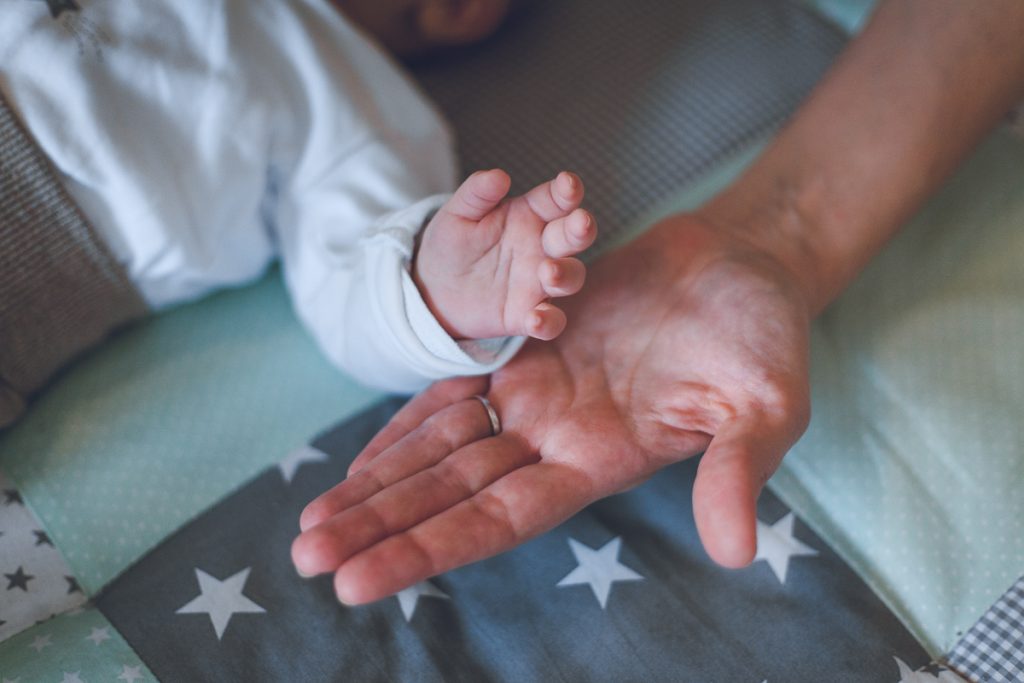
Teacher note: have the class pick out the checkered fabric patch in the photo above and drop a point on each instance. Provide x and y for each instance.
(993, 649)
(1017, 120)
(638, 97)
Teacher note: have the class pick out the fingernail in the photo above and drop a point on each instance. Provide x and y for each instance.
(302, 574)
(584, 226)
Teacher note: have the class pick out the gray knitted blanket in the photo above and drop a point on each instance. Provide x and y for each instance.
(61, 291)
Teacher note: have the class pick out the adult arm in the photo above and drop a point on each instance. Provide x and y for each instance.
(903, 105)
(692, 338)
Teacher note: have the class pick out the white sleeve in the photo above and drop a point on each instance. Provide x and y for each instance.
(347, 269)
(355, 149)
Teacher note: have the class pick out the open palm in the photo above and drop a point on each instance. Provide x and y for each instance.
(685, 340)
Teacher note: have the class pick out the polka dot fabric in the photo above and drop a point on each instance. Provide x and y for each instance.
(167, 418)
(914, 461)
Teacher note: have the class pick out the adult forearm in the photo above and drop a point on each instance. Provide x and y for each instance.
(911, 96)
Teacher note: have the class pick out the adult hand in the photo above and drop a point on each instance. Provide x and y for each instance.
(693, 337)
(690, 338)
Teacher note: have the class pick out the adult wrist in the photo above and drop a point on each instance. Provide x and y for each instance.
(782, 221)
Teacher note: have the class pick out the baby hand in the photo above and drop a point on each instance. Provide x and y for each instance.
(487, 265)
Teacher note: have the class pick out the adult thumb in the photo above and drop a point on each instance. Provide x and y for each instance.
(732, 472)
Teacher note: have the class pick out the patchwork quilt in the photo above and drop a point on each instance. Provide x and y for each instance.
(620, 592)
(150, 497)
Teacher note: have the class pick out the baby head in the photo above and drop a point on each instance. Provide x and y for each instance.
(412, 27)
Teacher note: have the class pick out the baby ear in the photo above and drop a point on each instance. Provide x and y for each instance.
(459, 22)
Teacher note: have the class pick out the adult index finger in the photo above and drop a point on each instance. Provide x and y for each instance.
(432, 400)
(427, 444)
(512, 510)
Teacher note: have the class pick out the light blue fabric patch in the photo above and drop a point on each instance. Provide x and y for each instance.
(850, 15)
(913, 466)
(168, 417)
(77, 647)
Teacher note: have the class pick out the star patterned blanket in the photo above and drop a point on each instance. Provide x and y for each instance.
(623, 591)
(187, 577)
(620, 592)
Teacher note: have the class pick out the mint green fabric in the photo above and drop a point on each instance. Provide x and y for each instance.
(914, 462)
(168, 417)
(850, 15)
(913, 466)
(76, 646)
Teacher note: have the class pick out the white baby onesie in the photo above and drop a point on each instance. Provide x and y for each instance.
(206, 139)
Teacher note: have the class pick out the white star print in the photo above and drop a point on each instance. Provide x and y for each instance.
(598, 568)
(776, 544)
(221, 599)
(40, 642)
(297, 458)
(408, 598)
(130, 674)
(72, 677)
(909, 676)
(98, 635)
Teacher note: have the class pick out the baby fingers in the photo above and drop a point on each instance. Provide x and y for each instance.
(569, 235)
(556, 198)
(545, 322)
(562, 277)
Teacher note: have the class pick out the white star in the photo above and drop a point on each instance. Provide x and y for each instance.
(72, 677)
(408, 598)
(599, 568)
(297, 458)
(130, 673)
(221, 599)
(40, 642)
(98, 635)
(909, 676)
(776, 544)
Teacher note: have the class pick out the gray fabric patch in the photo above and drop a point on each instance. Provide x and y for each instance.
(60, 289)
(639, 98)
(993, 649)
(623, 591)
